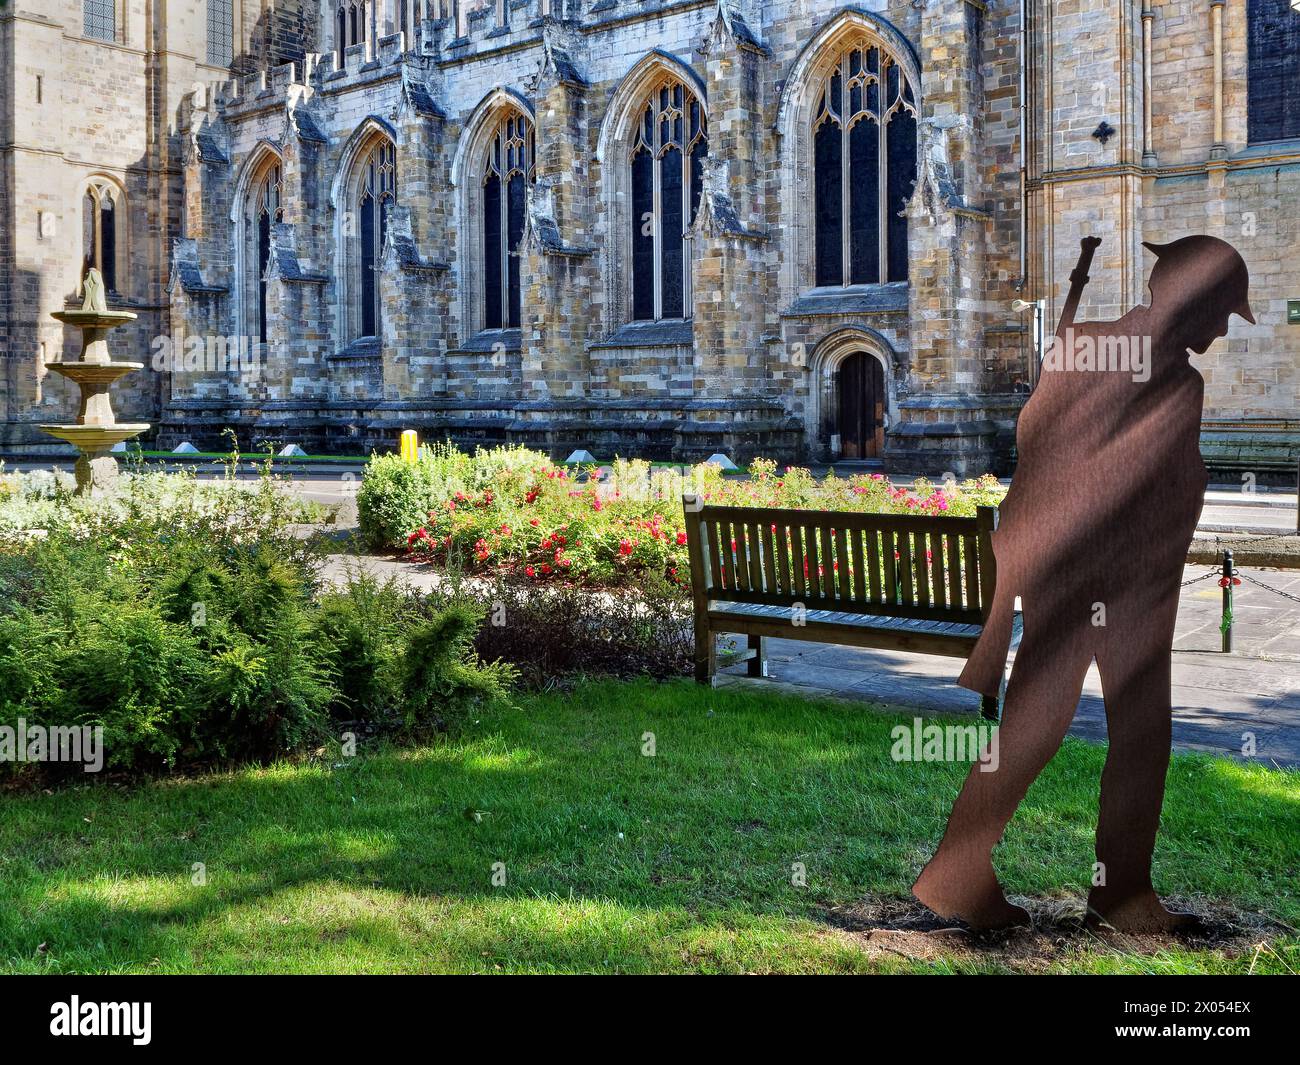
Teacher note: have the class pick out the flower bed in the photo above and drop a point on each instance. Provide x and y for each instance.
(513, 510)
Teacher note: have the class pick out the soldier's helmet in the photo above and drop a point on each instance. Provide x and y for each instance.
(1204, 274)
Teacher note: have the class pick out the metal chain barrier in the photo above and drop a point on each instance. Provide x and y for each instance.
(1270, 588)
(1256, 539)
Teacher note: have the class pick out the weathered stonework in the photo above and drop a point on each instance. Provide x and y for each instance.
(755, 366)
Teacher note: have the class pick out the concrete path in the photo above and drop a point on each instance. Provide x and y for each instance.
(1219, 699)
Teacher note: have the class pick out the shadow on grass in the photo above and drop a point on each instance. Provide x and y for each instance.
(755, 817)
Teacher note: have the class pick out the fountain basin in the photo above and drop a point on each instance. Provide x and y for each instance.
(93, 373)
(91, 439)
(94, 380)
(84, 319)
(94, 326)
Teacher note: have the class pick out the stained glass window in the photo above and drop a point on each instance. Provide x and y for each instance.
(509, 169)
(864, 166)
(266, 213)
(100, 216)
(376, 194)
(668, 155)
(1273, 78)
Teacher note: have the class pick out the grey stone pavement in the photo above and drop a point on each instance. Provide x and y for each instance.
(1217, 698)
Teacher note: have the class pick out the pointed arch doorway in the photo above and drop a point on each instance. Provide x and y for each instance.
(860, 388)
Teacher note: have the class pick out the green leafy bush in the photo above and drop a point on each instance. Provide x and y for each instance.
(394, 497)
(198, 636)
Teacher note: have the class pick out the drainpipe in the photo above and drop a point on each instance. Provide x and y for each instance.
(1148, 144)
(1023, 280)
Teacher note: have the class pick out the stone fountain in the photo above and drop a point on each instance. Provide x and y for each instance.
(96, 429)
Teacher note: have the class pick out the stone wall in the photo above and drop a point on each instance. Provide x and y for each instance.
(1177, 179)
(755, 367)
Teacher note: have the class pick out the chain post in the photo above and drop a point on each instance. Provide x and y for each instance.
(1225, 582)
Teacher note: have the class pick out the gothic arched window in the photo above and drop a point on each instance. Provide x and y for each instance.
(350, 24)
(376, 192)
(1273, 79)
(508, 170)
(266, 213)
(864, 166)
(102, 223)
(667, 158)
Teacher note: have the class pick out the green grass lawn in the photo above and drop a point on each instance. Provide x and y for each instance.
(614, 861)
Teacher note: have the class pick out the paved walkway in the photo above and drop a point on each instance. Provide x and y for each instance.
(1218, 698)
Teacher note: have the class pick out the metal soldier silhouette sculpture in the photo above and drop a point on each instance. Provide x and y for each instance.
(1092, 537)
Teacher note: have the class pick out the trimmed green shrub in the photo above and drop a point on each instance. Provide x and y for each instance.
(199, 637)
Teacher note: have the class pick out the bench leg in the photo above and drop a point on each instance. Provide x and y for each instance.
(706, 656)
(989, 707)
(758, 664)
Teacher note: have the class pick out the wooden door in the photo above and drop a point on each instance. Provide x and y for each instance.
(862, 407)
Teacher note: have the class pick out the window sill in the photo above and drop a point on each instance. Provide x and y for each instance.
(361, 348)
(486, 341)
(890, 298)
(1268, 149)
(664, 333)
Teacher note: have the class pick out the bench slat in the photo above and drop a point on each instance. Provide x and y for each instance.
(769, 558)
(754, 555)
(970, 548)
(813, 546)
(785, 585)
(827, 562)
(717, 573)
(734, 545)
(852, 519)
(859, 565)
(887, 553)
(742, 613)
(842, 563)
(904, 549)
(872, 537)
(798, 560)
(954, 571)
(922, 569)
(814, 606)
(938, 563)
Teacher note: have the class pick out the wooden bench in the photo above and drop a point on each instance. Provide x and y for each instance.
(897, 581)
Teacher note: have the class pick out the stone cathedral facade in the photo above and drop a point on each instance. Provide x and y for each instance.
(662, 228)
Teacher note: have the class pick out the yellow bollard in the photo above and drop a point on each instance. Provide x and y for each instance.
(410, 445)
